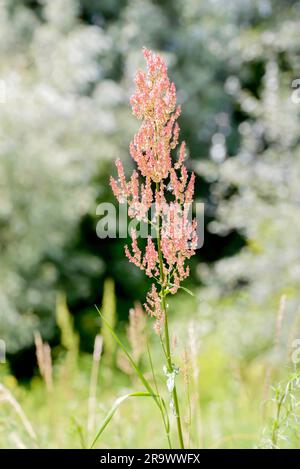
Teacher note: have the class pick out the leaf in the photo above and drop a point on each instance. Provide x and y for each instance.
(114, 408)
(78, 428)
(158, 401)
(187, 291)
(132, 362)
(163, 409)
(183, 288)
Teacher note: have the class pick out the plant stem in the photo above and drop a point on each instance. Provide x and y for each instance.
(276, 423)
(162, 409)
(170, 369)
(167, 336)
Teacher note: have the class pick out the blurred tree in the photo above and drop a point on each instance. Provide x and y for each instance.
(66, 70)
(257, 191)
(59, 129)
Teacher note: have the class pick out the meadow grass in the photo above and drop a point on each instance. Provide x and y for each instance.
(227, 398)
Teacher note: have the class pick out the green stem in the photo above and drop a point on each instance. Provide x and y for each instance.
(139, 373)
(170, 369)
(167, 336)
(276, 424)
(163, 409)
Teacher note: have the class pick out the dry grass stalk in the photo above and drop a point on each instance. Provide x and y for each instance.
(110, 315)
(186, 370)
(193, 342)
(193, 345)
(137, 331)
(6, 396)
(174, 342)
(279, 320)
(123, 364)
(93, 384)
(44, 360)
(293, 335)
(277, 335)
(17, 441)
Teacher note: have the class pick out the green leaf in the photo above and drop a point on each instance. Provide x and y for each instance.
(158, 401)
(163, 410)
(79, 430)
(187, 291)
(112, 411)
(132, 362)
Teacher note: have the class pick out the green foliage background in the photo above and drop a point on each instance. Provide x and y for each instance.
(66, 71)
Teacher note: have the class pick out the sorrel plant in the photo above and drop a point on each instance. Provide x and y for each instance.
(160, 193)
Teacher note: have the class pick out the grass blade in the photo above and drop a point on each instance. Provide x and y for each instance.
(158, 401)
(112, 411)
(132, 362)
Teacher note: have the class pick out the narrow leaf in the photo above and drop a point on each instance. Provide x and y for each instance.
(112, 411)
(134, 365)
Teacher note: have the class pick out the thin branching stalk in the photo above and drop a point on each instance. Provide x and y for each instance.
(197, 409)
(276, 347)
(186, 377)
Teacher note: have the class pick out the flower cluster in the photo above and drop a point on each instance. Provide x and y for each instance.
(158, 184)
(154, 309)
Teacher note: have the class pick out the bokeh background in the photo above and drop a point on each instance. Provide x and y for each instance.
(66, 76)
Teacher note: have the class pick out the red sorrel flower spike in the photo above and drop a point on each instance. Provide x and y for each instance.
(165, 187)
(154, 101)
(156, 181)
